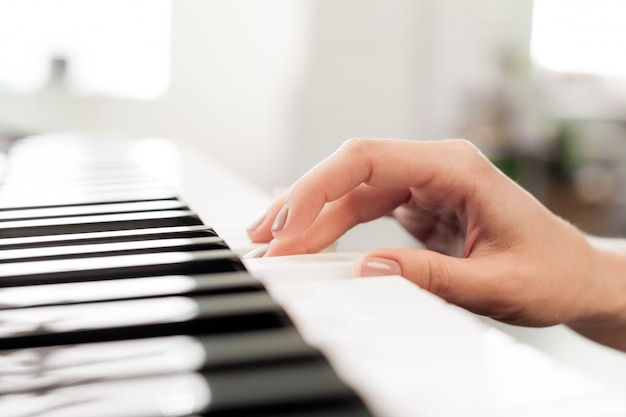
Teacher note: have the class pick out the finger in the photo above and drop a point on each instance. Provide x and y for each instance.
(383, 163)
(363, 204)
(468, 283)
(260, 230)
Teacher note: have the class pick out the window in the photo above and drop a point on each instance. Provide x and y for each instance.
(117, 48)
(580, 36)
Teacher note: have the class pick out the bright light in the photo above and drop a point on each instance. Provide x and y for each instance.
(113, 47)
(580, 36)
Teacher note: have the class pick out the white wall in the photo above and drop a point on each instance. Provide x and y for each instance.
(400, 68)
(235, 65)
(272, 87)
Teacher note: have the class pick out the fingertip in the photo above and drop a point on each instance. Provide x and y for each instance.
(280, 221)
(259, 229)
(372, 266)
(257, 252)
(426, 269)
(270, 249)
(279, 248)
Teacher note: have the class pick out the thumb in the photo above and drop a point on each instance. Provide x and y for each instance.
(457, 280)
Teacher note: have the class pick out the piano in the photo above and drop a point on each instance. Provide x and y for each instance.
(124, 291)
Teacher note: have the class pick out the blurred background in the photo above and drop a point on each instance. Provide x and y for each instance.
(271, 87)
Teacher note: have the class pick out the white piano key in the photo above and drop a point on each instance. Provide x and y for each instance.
(409, 353)
(314, 267)
(171, 395)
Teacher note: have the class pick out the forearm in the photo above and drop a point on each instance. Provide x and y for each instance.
(605, 321)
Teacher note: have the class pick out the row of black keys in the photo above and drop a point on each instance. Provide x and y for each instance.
(115, 300)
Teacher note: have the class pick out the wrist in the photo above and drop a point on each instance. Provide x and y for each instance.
(603, 317)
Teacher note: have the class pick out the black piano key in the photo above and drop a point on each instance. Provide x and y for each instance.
(91, 209)
(130, 235)
(118, 267)
(48, 368)
(126, 289)
(30, 199)
(261, 346)
(300, 384)
(343, 407)
(105, 222)
(112, 249)
(137, 319)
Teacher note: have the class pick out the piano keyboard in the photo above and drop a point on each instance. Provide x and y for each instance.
(117, 301)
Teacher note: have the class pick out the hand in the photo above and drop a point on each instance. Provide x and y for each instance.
(492, 248)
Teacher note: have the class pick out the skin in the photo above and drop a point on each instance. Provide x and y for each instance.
(490, 246)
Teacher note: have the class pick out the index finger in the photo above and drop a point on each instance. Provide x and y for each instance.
(448, 169)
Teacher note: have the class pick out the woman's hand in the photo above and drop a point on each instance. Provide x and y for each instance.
(492, 248)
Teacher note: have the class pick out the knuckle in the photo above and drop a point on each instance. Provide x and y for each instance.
(355, 145)
(471, 156)
(467, 150)
(464, 144)
(438, 275)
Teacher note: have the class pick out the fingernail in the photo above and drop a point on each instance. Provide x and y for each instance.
(379, 267)
(256, 253)
(256, 222)
(281, 219)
